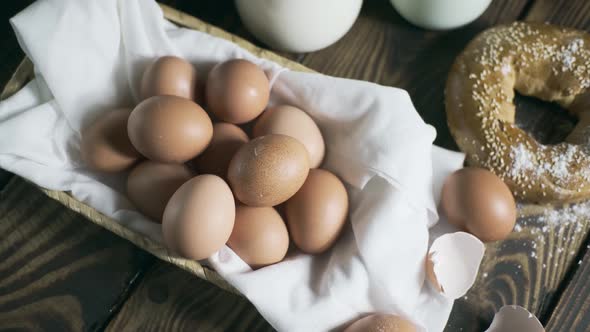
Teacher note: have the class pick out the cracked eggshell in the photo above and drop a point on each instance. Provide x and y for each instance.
(452, 263)
(515, 318)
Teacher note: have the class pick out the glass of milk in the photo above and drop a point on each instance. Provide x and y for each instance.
(298, 25)
(440, 14)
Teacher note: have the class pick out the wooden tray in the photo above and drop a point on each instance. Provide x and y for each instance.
(24, 73)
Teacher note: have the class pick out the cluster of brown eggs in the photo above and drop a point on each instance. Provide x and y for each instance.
(246, 188)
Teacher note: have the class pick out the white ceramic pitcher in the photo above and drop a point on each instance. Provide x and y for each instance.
(298, 25)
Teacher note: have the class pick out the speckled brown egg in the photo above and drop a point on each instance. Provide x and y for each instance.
(169, 129)
(237, 91)
(259, 236)
(151, 184)
(105, 145)
(169, 75)
(199, 217)
(291, 121)
(382, 323)
(227, 139)
(268, 170)
(317, 213)
(477, 200)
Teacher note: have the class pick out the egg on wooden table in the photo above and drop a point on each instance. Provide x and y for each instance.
(169, 129)
(316, 214)
(478, 201)
(268, 170)
(237, 91)
(382, 323)
(227, 139)
(199, 217)
(151, 184)
(169, 75)
(260, 236)
(105, 145)
(291, 121)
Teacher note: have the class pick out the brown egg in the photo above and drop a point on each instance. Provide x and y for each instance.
(237, 91)
(268, 170)
(151, 184)
(227, 139)
(291, 121)
(169, 129)
(169, 75)
(199, 217)
(105, 145)
(317, 212)
(477, 200)
(259, 236)
(382, 323)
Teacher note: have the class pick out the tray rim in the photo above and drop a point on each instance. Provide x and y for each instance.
(25, 72)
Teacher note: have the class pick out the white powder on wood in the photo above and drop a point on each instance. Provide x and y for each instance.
(556, 221)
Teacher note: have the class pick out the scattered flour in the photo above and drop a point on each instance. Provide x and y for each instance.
(523, 160)
(506, 68)
(556, 221)
(558, 166)
(567, 54)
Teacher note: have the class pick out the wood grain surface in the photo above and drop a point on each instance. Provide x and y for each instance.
(532, 268)
(169, 299)
(58, 272)
(572, 311)
(384, 48)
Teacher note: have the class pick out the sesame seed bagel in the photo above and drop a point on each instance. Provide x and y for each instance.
(538, 60)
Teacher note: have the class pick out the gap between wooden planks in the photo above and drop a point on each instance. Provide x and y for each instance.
(58, 272)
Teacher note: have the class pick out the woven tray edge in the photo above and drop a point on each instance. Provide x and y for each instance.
(25, 72)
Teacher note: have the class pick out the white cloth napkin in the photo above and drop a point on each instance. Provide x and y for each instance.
(89, 56)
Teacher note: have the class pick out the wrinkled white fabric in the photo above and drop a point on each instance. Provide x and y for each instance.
(89, 56)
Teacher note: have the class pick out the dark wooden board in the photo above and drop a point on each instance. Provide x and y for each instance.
(170, 299)
(384, 48)
(58, 271)
(572, 311)
(531, 267)
(527, 269)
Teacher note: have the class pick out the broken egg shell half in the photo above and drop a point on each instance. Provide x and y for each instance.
(452, 263)
(515, 318)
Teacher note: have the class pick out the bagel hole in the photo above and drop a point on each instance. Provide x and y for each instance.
(548, 123)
